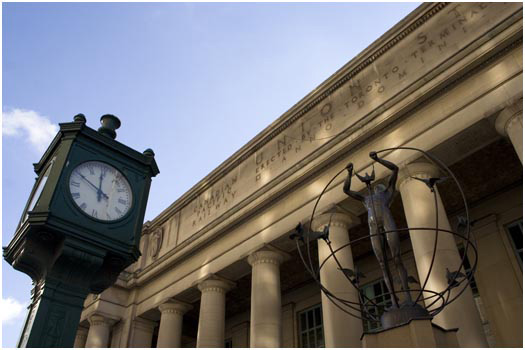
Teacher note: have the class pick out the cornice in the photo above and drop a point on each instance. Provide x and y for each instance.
(352, 68)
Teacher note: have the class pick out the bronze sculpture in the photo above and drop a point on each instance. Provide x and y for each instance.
(380, 221)
(383, 232)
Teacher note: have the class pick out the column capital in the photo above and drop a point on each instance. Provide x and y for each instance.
(266, 256)
(508, 116)
(418, 169)
(215, 285)
(336, 219)
(99, 319)
(175, 307)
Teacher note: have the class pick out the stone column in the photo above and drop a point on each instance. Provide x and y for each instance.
(99, 330)
(419, 206)
(265, 315)
(241, 335)
(212, 313)
(509, 123)
(81, 337)
(289, 327)
(170, 329)
(142, 333)
(340, 329)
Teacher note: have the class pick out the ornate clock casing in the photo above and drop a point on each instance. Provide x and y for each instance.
(57, 241)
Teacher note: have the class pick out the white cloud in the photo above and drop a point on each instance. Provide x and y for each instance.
(36, 129)
(12, 310)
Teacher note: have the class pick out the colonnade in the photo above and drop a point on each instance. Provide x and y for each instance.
(340, 329)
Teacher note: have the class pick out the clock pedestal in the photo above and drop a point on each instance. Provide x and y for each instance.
(67, 251)
(57, 300)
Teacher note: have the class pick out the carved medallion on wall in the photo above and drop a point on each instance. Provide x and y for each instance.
(155, 242)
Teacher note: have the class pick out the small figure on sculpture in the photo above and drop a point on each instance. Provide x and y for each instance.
(300, 234)
(381, 223)
(431, 181)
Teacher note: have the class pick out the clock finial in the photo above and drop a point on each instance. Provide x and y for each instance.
(110, 123)
(80, 118)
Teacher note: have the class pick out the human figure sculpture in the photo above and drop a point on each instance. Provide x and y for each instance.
(380, 221)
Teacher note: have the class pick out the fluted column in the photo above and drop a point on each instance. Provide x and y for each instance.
(509, 123)
(265, 315)
(170, 329)
(99, 330)
(420, 211)
(212, 313)
(81, 337)
(340, 329)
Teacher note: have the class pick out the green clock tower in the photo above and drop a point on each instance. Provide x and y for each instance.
(81, 225)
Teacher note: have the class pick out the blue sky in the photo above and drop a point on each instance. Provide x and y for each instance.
(194, 82)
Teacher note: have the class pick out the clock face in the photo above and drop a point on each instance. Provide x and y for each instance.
(100, 191)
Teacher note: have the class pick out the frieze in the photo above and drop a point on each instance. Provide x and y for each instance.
(372, 83)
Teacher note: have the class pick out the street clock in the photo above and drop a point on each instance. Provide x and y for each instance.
(81, 225)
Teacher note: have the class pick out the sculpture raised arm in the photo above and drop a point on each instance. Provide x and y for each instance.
(395, 169)
(346, 187)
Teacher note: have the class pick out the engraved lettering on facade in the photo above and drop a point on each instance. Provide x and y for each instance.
(427, 44)
(217, 198)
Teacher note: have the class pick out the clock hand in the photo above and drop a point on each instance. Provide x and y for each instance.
(103, 194)
(99, 190)
(92, 185)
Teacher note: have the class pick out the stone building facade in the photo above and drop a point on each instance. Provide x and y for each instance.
(217, 266)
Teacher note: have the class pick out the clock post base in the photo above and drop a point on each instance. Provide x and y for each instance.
(59, 292)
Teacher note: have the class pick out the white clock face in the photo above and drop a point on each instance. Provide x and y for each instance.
(100, 191)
